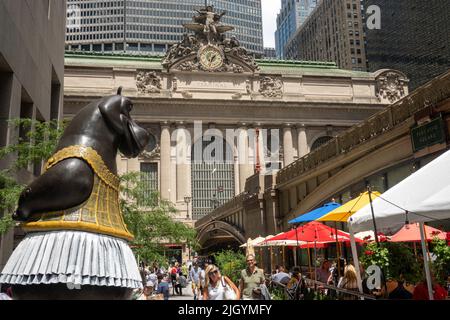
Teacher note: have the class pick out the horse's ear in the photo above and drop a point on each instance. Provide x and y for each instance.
(119, 91)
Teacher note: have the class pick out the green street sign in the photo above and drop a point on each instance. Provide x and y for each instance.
(429, 134)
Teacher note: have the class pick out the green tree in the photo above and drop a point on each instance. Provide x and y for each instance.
(375, 255)
(441, 266)
(151, 220)
(37, 144)
(231, 263)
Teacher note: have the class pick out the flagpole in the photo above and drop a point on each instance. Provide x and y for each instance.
(369, 189)
(338, 255)
(296, 248)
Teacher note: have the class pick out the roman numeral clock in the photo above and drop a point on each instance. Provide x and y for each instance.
(210, 57)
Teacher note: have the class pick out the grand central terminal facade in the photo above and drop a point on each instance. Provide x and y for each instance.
(216, 116)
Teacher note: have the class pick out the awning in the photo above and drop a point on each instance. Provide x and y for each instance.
(421, 197)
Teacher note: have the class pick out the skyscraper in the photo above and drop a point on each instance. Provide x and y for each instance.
(153, 25)
(414, 37)
(292, 15)
(334, 32)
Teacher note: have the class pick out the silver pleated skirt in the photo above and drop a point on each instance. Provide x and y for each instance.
(72, 257)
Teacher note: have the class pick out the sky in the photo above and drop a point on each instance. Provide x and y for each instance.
(270, 9)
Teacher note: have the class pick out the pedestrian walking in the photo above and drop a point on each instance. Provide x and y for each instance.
(251, 280)
(163, 287)
(218, 287)
(195, 276)
(181, 283)
(173, 277)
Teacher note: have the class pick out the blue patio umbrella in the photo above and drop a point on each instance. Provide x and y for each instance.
(316, 213)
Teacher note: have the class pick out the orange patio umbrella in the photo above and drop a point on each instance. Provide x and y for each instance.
(411, 233)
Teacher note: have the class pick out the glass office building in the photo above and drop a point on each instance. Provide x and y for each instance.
(152, 26)
(293, 14)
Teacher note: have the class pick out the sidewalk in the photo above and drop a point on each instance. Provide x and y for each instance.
(187, 293)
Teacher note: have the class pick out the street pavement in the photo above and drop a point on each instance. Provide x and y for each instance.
(187, 294)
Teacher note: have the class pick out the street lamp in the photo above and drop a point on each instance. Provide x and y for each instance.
(215, 202)
(187, 200)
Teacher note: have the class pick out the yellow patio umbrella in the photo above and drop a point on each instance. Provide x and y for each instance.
(348, 209)
(342, 213)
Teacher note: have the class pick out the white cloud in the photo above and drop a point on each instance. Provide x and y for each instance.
(270, 9)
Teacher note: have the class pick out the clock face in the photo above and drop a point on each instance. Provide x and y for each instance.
(211, 58)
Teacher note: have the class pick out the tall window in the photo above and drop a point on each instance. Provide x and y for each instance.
(212, 175)
(149, 177)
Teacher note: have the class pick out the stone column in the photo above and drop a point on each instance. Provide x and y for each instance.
(302, 141)
(182, 161)
(243, 151)
(259, 148)
(165, 161)
(237, 184)
(288, 146)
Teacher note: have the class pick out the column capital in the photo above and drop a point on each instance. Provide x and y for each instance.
(180, 124)
(301, 126)
(243, 125)
(287, 125)
(165, 124)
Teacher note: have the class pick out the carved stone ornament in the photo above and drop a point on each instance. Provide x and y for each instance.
(208, 49)
(391, 86)
(271, 87)
(149, 155)
(148, 82)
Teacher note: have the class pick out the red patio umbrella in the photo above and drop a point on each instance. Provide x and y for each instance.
(317, 233)
(314, 232)
(411, 233)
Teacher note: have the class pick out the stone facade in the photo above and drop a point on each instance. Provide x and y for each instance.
(301, 102)
(377, 152)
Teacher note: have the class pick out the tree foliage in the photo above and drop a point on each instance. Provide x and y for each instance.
(36, 145)
(441, 266)
(151, 220)
(397, 260)
(231, 263)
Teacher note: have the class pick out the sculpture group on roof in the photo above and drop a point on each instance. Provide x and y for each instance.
(208, 31)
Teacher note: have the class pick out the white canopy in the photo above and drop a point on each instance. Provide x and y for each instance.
(425, 195)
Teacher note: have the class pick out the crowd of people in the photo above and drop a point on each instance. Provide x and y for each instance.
(343, 276)
(207, 282)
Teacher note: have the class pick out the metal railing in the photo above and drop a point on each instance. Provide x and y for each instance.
(317, 285)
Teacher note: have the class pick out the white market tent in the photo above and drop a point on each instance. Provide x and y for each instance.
(421, 197)
(425, 195)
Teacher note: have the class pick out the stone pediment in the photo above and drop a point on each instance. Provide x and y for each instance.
(208, 49)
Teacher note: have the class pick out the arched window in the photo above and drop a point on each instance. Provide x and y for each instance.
(212, 175)
(320, 141)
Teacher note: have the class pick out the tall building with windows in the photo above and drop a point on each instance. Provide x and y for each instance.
(333, 32)
(31, 79)
(413, 38)
(293, 14)
(152, 26)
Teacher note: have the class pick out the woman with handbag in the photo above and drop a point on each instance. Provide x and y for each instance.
(218, 287)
